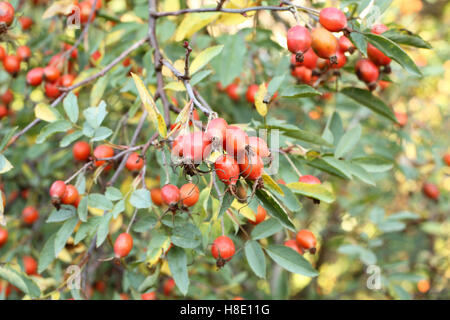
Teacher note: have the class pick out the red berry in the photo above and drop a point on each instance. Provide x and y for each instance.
(30, 265)
(379, 28)
(11, 64)
(431, 190)
(298, 39)
(34, 76)
(51, 73)
(57, 61)
(6, 13)
(259, 146)
(57, 189)
(303, 74)
(332, 19)
(74, 53)
(192, 146)
(252, 167)
(377, 57)
(293, 245)
(123, 245)
(51, 90)
(156, 196)
(170, 194)
(223, 247)
(67, 80)
(402, 118)
(189, 194)
(236, 140)
(232, 91)
(216, 130)
(3, 236)
(81, 151)
(134, 162)
(260, 216)
(227, 169)
(324, 43)
(309, 59)
(24, 53)
(367, 71)
(346, 45)
(85, 11)
(149, 296)
(70, 195)
(341, 60)
(26, 22)
(3, 111)
(447, 159)
(98, 6)
(251, 93)
(2, 53)
(30, 215)
(103, 151)
(168, 286)
(306, 240)
(309, 179)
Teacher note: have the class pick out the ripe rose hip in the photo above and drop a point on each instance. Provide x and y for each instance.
(447, 159)
(216, 130)
(423, 285)
(309, 179)
(51, 90)
(51, 73)
(67, 80)
(156, 196)
(70, 195)
(345, 45)
(3, 236)
(298, 41)
(2, 53)
(11, 64)
(134, 162)
(367, 71)
(30, 215)
(324, 43)
(227, 169)
(259, 146)
(74, 53)
(293, 245)
(170, 194)
(30, 265)
(236, 140)
(377, 57)
(123, 245)
(25, 22)
(306, 240)
(85, 11)
(6, 13)
(332, 19)
(98, 6)
(379, 28)
(251, 92)
(149, 295)
(341, 61)
(223, 247)
(192, 146)
(103, 151)
(303, 74)
(402, 118)
(260, 216)
(309, 59)
(57, 189)
(431, 190)
(3, 111)
(81, 151)
(34, 76)
(189, 194)
(232, 91)
(252, 167)
(168, 286)
(24, 53)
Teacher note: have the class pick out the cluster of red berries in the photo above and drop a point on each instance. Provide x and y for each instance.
(305, 240)
(171, 195)
(5, 101)
(64, 194)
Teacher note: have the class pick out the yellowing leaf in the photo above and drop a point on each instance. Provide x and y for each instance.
(58, 7)
(269, 182)
(44, 112)
(316, 191)
(175, 86)
(115, 224)
(5, 165)
(193, 22)
(232, 19)
(244, 209)
(95, 211)
(165, 268)
(157, 253)
(171, 5)
(65, 256)
(183, 116)
(55, 296)
(261, 107)
(37, 95)
(204, 57)
(149, 105)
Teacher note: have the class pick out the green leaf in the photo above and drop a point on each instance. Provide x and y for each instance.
(7, 137)
(64, 234)
(289, 200)
(339, 165)
(402, 36)
(98, 90)
(99, 201)
(359, 41)
(274, 208)
(230, 63)
(291, 260)
(140, 199)
(365, 255)
(204, 57)
(255, 258)
(178, 268)
(225, 204)
(52, 128)
(21, 281)
(299, 91)
(101, 133)
(113, 194)
(144, 223)
(186, 236)
(82, 209)
(70, 104)
(47, 254)
(367, 99)
(374, 163)
(5, 165)
(103, 229)
(360, 173)
(95, 115)
(393, 51)
(119, 207)
(266, 229)
(302, 135)
(87, 228)
(348, 141)
(68, 139)
(316, 191)
(275, 84)
(64, 213)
